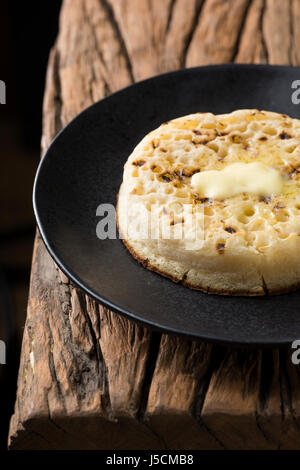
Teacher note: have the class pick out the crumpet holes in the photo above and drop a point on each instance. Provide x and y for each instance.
(246, 215)
(249, 212)
(282, 216)
(208, 125)
(165, 137)
(181, 193)
(270, 130)
(213, 147)
(208, 211)
(283, 235)
(290, 149)
(156, 168)
(169, 190)
(258, 225)
(220, 246)
(183, 137)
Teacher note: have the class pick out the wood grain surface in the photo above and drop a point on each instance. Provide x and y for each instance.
(90, 379)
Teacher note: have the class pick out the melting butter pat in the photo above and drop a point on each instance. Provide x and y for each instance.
(236, 178)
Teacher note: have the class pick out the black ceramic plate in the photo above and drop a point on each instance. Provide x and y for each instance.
(83, 168)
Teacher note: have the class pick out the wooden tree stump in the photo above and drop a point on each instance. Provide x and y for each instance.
(89, 378)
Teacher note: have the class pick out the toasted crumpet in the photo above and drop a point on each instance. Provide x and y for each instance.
(246, 244)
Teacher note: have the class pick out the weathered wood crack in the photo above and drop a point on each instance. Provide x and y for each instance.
(170, 15)
(53, 371)
(149, 371)
(198, 8)
(108, 7)
(240, 31)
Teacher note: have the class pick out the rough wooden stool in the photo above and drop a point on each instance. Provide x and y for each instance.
(90, 379)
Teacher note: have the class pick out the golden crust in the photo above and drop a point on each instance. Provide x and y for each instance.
(209, 290)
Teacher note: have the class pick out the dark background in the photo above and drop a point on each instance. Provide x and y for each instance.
(27, 32)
